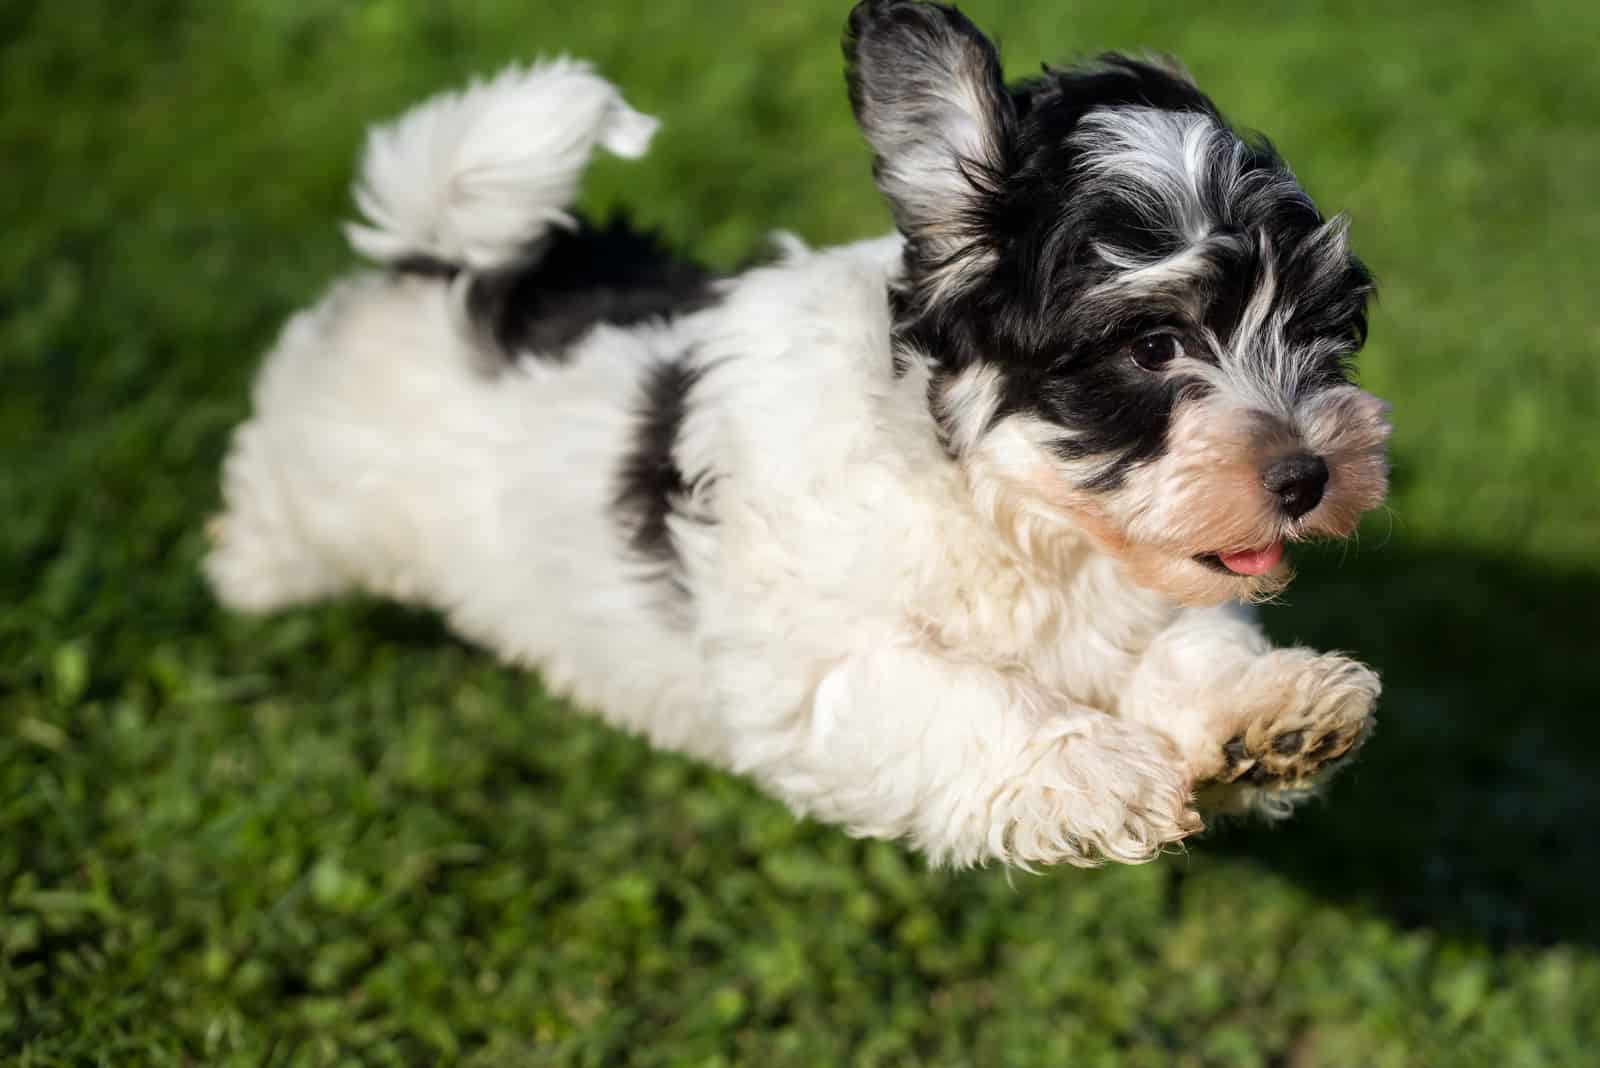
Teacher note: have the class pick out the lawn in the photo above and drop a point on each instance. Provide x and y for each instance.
(339, 836)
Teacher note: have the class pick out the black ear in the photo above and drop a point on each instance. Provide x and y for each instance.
(927, 91)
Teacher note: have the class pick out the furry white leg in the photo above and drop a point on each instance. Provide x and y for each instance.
(310, 490)
(473, 178)
(1258, 727)
(973, 765)
(259, 559)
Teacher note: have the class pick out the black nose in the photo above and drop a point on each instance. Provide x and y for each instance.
(1297, 481)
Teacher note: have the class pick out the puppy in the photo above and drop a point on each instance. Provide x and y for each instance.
(943, 536)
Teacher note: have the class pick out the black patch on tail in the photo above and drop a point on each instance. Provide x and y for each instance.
(573, 280)
(651, 486)
(425, 266)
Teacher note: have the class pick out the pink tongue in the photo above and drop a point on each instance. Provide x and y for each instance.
(1255, 561)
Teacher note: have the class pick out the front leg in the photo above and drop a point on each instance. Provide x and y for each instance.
(1262, 728)
(973, 765)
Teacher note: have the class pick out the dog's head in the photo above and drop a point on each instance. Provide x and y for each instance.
(1133, 320)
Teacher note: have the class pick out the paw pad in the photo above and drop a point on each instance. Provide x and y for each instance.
(1289, 743)
(1285, 759)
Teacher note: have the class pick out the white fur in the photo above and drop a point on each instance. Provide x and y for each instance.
(473, 177)
(882, 637)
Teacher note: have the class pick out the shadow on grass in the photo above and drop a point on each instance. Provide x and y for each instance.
(1473, 808)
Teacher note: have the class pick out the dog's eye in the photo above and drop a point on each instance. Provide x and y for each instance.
(1154, 351)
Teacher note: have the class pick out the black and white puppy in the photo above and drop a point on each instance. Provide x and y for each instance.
(943, 536)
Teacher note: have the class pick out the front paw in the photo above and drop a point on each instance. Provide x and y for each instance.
(1107, 791)
(1302, 715)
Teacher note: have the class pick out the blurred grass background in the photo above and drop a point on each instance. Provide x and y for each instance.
(340, 837)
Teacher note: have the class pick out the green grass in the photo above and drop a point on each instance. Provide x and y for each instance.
(340, 837)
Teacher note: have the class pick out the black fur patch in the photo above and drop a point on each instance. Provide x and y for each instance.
(573, 280)
(426, 266)
(651, 486)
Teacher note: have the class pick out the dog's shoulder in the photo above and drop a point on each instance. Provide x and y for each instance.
(797, 353)
(834, 300)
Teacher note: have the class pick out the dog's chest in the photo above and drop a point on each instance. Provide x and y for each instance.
(1078, 635)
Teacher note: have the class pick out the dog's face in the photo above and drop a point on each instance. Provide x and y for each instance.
(1134, 321)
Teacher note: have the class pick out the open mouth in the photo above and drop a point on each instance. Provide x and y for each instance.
(1249, 562)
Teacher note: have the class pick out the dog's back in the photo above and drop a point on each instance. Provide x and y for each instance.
(459, 429)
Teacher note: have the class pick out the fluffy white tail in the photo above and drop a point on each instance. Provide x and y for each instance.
(471, 178)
